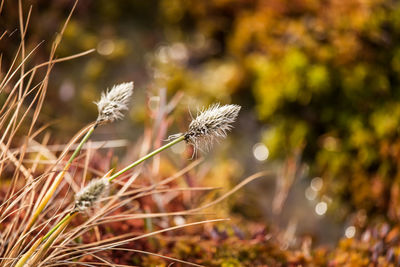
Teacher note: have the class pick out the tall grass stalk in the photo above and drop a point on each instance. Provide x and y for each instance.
(28, 254)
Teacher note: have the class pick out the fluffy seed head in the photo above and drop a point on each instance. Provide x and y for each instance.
(211, 124)
(113, 102)
(87, 197)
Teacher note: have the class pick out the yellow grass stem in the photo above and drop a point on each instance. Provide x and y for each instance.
(50, 240)
(58, 180)
(54, 234)
(28, 254)
(47, 197)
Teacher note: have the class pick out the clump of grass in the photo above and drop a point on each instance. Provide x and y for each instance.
(23, 97)
(110, 108)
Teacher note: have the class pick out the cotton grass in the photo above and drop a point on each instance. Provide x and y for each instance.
(90, 194)
(211, 124)
(113, 102)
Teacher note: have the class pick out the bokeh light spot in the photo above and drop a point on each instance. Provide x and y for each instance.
(317, 183)
(179, 220)
(321, 208)
(260, 152)
(310, 193)
(350, 231)
(67, 91)
(105, 47)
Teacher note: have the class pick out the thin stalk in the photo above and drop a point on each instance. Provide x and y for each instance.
(127, 168)
(66, 217)
(58, 180)
(83, 141)
(51, 236)
(28, 254)
(50, 240)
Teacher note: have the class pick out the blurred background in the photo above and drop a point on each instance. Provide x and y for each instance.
(318, 82)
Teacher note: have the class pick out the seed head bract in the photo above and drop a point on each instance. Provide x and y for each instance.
(113, 102)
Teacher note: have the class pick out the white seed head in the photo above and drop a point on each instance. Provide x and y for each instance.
(113, 102)
(211, 124)
(92, 192)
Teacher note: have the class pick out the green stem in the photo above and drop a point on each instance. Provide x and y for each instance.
(83, 141)
(57, 225)
(127, 168)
